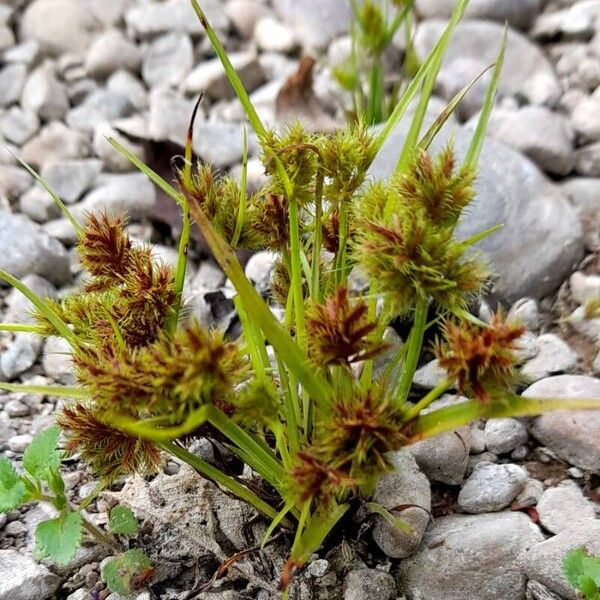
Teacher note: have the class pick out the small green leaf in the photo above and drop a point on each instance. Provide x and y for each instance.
(12, 488)
(120, 572)
(58, 539)
(583, 572)
(42, 454)
(122, 521)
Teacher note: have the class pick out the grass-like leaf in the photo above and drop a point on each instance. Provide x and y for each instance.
(60, 391)
(59, 539)
(12, 489)
(122, 521)
(42, 453)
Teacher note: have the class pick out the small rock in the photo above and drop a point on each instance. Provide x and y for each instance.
(25, 249)
(587, 160)
(209, 276)
(13, 182)
(169, 116)
(429, 375)
(19, 125)
(12, 80)
(71, 178)
(19, 307)
(57, 361)
(553, 356)
(98, 107)
(26, 53)
(405, 484)
(114, 160)
(526, 312)
(259, 269)
(44, 95)
(491, 488)
(15, 408)
(563, 507)
(572, 435)
(15, 529)
(128, 85)
(21, 578)
(168, 60)
(584, 287)
(586, 118)
(273, 36)
(504, 435)
(244, 15)
(210, 77)
(543, 562)
(110, 52)
(318, 568)
(220, 144)
(55, 142)
(531, 494)
(59, 25)
(369, 583)
(19, 443)
(20, 355)
(38, 205)
(470, 556)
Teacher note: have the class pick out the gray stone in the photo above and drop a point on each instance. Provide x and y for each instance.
(59, 25)
(589, 327)
(587, 160)
(55, 142)
(504, 435)
(12, 80)
(429, 375)
(57, 361)
(273, 36)
(169, 116)
(19, 443)
(586, 118)
(71, 178)
(518, 13)
(110, 52)
(553, 356)
(44, 95)
(26, 53)
(113, 159)
(465, 556)
(13, 181)
(15, 408)
(525, 311)
(491, 488)
(131, 193)
(541, 239)
(25, 249)
(574, 22)
(563, 507)
(544, 136)
(20, 355)
(19, 307)
(220, 144)
(531, 494)
(209, 276)
(316, 22)
(38, 205)
(543, 562)
(584, 287)
(128, 85)
(259, 269)
(168, 60)
(473, 47)
(444, 457)
(405, 484)
(18, 125)
(7, 38)
(210, 77)
(369, 583)
(98, 107)
(244, 15)
(150, 19)
(583, 193)
(21, 578)
(572, 435)
(537, 591)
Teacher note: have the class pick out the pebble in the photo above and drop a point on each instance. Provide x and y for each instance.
(553, 356)
(543, 562)
(26, 53)
(429, 375)
(470, 556)
(531, 494)
(71, 178)
(99, 106)
(21, 578)
(573, 435)
(586, 118)
(128, 85)
(504, 435)
(57, 361)
(16, 408)
(405, 484)
(19, 307)
(19, 443)
(244, 15)
(44, 95)
(18, 125)
(15, 529)
(110, 52)
(491, 488)
(273, 36)
(318, 568)
(587, 160)
(259, 268)
(584, 287)
(113, 160)
(168, 60)
(12, 80)
(564, 506)
(369, 583)
(525, 311)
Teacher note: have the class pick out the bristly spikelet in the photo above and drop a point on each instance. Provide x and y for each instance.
(268, 218)
(297, 149)
(256, 405)
(338, 331)
(364, 425)
(434, 185)
(482, 359)
(108, 451)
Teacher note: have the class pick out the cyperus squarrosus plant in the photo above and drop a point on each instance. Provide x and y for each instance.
(314, 419)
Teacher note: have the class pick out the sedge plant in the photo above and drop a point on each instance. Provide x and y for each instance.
(301, 400)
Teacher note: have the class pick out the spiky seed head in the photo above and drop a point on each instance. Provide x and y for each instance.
(338, 330)
(109, 452)
(269, 219)
(331, 231)
(256, 405)
(482, 359)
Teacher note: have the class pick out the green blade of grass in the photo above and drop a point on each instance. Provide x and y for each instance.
(61, 205)
(454, 416)
(22, 327)
(241, 216)
(435, 55)
(472, 156)
(59, 391)
(39, 303)
(234, 78)
(395, 522)
(470, 241)
(448, 110)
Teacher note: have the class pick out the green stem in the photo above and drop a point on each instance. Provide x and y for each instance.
(318, 236)
(241, 216)
(229, 483)
(296, 272)
(374, 109)
(415, 343)
(291, 408)
(99, 535)
(340, 258)
(21, 327)
(430, 397)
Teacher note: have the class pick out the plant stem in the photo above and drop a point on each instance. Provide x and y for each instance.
(21, 327)
(317, 236)
(340, 259)
(98, 534)
(433, 395)
(415, 342)
(296, 272)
